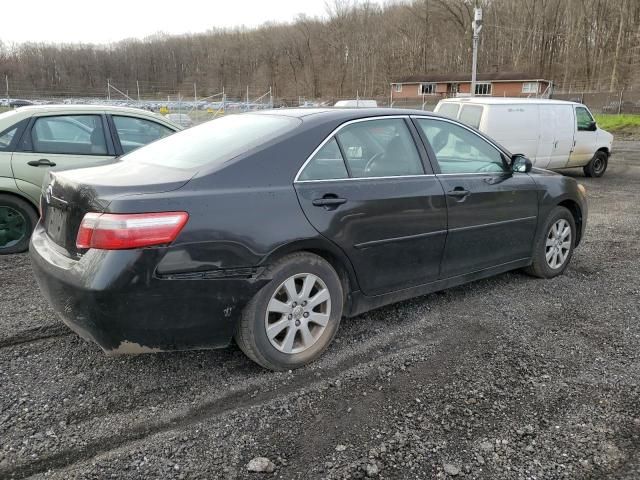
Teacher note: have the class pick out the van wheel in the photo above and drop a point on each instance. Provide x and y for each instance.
(597, 166)
(293, 318)
(17, 221)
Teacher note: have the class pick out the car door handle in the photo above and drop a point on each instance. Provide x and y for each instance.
(458, 192)
(43, 162)
(330, 202)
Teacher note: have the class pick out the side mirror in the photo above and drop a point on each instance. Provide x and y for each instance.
(593, 126)
(520, 164)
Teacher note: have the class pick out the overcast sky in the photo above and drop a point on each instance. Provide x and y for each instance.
(92, 21)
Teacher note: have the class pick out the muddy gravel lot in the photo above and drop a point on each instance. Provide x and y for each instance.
(511, 377)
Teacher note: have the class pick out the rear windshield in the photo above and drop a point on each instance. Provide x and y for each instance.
(471, 115)
(449, 110)
(214, 142)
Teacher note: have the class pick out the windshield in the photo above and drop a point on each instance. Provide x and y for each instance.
(214, 142)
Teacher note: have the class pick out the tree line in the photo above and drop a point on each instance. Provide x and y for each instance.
(358, 47)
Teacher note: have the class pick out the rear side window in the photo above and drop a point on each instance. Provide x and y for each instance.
(69, 134)
(214, 142)
(449, 110)
(137, 132)
(380, 148)
(471, 115)
(326, 164)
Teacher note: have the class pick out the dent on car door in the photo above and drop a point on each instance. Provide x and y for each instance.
(366, 190)
(492, 212)
(59, 142)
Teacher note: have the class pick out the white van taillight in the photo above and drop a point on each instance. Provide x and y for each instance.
(117, 231)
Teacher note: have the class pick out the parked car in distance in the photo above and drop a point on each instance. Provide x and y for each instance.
(554, 134)
(273, 237)
(36, 139)
(181, 119)
(356, 103)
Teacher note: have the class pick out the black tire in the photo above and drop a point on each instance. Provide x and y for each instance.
(15, 212)
(597, 165)
(539, 267)
(251, 334)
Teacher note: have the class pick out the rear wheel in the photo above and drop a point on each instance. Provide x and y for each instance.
(17, 221)
(597, 166)
(554, 247)
(293, 319)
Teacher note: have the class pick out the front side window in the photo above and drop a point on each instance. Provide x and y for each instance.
(69, 134)
(6, 137)
(583, 118)
(136, 132)
(326, 164)
(483, 88)
(380, 148)
(459, 150)
(427, 89)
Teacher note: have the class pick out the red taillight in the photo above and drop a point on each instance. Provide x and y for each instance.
(117, 231)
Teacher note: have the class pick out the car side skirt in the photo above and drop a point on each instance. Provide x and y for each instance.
(359, 303)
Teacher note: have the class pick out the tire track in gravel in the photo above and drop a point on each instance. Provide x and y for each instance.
(35, 335)
(242, 399)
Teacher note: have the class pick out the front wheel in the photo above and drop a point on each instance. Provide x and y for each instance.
(554, 246)
(597, 165)
(294, 318)
(17, 221)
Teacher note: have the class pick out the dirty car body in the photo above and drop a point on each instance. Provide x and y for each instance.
(390, 237)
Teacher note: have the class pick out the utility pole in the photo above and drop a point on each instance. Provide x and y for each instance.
(195, 94)
(6, 80)
(138, 88)
(476, 26)
(109, 90)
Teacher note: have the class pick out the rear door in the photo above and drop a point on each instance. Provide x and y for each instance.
(366, 189)
(492, 212)
(59, 142)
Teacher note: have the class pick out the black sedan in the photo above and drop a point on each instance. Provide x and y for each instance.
(270, 227)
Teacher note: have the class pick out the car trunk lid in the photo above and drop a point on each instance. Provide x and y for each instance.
(69, 195)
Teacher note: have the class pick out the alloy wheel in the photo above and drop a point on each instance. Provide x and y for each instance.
(13, 226)
(298, 313)
(558, 244)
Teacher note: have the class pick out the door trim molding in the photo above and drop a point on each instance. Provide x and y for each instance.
(483, 225)
(384, 241)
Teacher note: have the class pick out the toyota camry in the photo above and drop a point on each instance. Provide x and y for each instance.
(270, 227)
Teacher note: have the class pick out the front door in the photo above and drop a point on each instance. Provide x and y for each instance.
(58, 142)
(366, 190)
(585, 138)
(492, 212)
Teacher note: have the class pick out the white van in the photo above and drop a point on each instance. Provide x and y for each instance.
(551, 133)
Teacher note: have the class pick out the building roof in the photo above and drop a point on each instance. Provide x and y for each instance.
(466, 77)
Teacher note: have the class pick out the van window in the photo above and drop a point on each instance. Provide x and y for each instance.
(471, 115)
(584, 118)
(449, 110)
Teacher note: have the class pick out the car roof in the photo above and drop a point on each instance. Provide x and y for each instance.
(28, 111)
(507, 101)
(342, 114)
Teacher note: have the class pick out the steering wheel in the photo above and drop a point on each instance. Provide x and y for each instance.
(489, 167)
(370, 162)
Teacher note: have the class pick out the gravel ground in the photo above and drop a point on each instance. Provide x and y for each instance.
(511, 377)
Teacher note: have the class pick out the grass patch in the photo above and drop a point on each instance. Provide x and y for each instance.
(616, 123)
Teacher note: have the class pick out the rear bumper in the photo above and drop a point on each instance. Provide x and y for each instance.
(115, 299)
